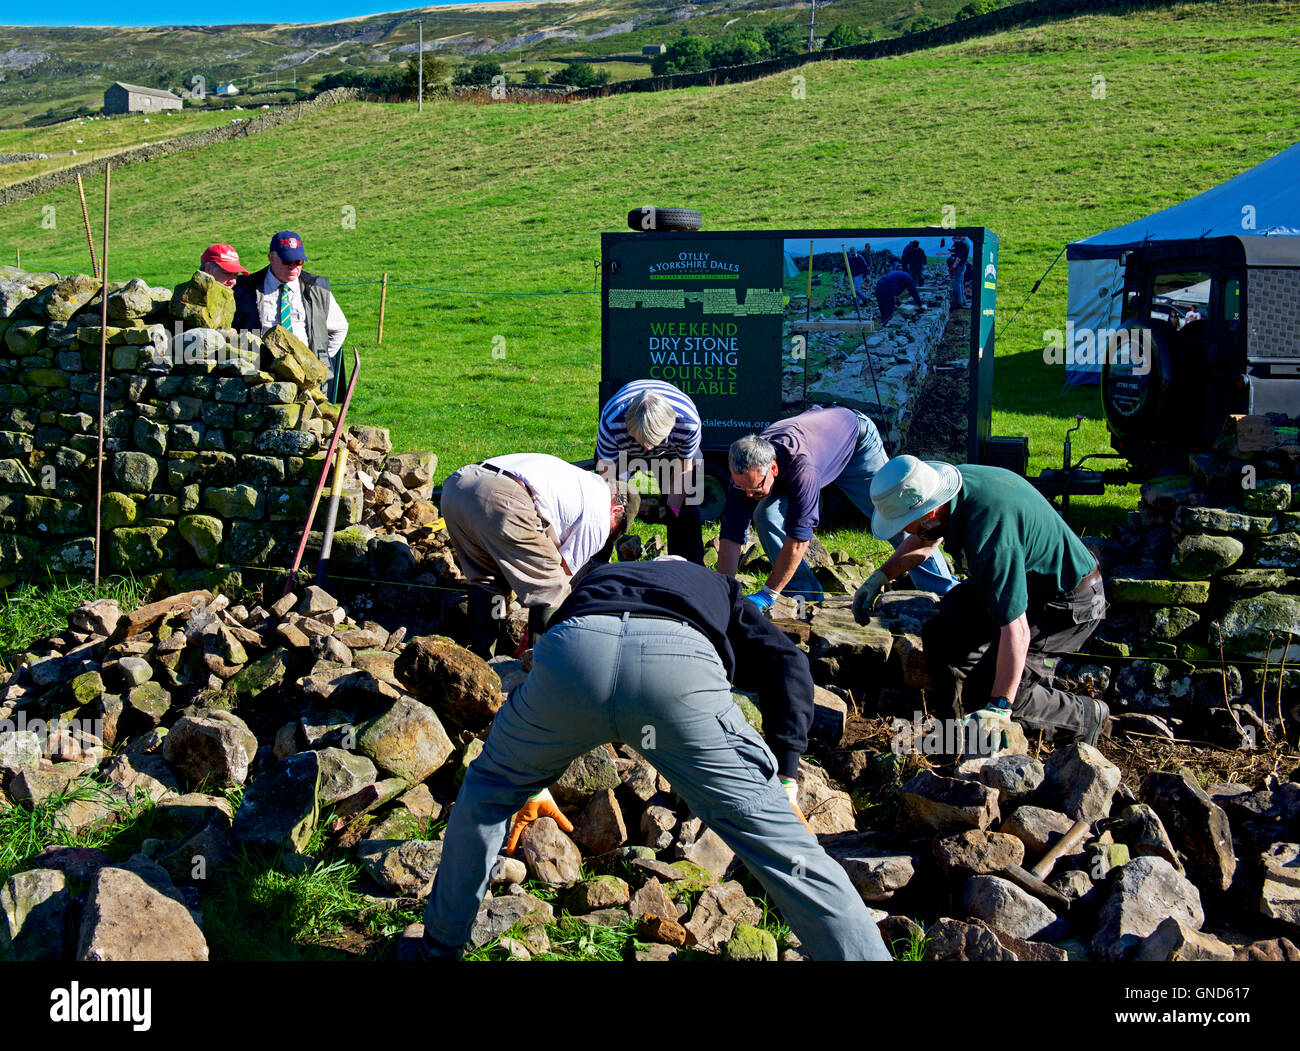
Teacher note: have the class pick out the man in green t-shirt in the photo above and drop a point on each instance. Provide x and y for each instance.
(1032, 590)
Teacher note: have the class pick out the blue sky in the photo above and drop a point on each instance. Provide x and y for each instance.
(221, 12)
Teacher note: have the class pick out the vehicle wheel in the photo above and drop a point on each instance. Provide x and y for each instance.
(651, 218)
(716, 480)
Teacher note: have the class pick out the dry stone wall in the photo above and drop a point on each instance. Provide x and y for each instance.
(213, 440)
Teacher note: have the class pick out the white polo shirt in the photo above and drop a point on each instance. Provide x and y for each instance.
(575, 503)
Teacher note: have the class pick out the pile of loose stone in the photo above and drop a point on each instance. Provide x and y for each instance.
(1204, 586)
(349, 739)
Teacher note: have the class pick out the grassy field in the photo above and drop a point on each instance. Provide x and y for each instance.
(465, 203)
(96, 138)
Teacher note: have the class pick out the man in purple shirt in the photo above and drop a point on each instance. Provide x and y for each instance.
(777, 477)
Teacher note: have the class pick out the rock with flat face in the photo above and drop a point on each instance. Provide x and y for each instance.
(949, 939)
(600, 827)
(34, 909)
(1147, 892)
(402, 866)
(456, 683)
(1002, 904)
(1280, 897)
(124, 918)
(1196, 825)
(215, 749)
(1082, 781)
(550, 855)
(943, 805)
(407, 741)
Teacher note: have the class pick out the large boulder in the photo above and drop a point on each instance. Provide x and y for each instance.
(34, 908)
(1082, 781)
(125, 918)
(215, 749)
(1196, 825)
(943, 805)
(1147, 892)
(280, 807)
(408, 741)
(203, 302)
(456, 683)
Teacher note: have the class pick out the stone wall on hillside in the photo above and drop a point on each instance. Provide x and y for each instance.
(213, 440)
(22, 191)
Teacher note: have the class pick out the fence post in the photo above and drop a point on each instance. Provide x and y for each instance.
(383, 298)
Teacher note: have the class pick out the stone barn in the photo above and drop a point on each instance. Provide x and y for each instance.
(132, 98)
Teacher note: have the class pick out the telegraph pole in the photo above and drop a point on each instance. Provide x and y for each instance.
(812, 19)
(419, 105)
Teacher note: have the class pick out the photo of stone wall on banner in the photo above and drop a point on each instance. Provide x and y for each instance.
(857, 336)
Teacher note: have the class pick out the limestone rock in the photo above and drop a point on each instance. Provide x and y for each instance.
(1013, 776)
(1148, 891)
(1082, 781)
(405, 866)
(1197, 826)
(1005, 906)
(1036, 827)
(601, 892)
(650, 900)
(280, 807)
(947, 804)
(702, 846)
(949, 939)
(592, 772)
(718, 912)
(1173, 942)
(203, 302)
(214, 749)
(125, 918)
(34, 907)
(876, 874)
(343, 774)
(450, 679)
(1200, 556)
(1280, 896)
(750, 943)
(408, 741)
(600, 827)
(498, 915)
(549, 854)
(976, 852)
(826, 809)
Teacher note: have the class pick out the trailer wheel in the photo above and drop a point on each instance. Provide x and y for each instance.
(651, 218)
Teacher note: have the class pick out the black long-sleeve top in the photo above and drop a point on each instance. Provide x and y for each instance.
(756, 656)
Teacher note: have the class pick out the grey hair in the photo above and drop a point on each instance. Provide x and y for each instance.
(650, 419)
(749, 452)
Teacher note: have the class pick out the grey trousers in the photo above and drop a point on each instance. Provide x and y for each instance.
(659, 686)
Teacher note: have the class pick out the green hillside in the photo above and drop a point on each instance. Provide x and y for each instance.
(508, 198)
(53, 71)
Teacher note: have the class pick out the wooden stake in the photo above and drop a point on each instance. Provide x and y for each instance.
(103, 370)
(85, 219)
(383, 298)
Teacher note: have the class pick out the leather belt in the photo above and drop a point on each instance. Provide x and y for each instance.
(506, 474)
(1092, 578)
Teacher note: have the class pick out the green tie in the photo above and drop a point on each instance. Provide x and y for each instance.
(285, 319)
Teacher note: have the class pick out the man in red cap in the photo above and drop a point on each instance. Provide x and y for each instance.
(283, 293)
(222, 262)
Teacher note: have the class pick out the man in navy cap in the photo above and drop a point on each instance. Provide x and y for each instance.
(283, 293)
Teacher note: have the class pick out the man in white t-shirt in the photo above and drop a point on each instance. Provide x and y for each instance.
(528, 523)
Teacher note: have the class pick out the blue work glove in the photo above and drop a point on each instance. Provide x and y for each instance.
(763, 598)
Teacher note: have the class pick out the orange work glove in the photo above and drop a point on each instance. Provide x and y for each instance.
(540, 805)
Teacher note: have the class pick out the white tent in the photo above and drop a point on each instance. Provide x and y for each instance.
(1260, 202)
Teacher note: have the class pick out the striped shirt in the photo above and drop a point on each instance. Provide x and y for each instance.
(683, 443)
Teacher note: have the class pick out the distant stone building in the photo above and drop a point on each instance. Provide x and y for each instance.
(652, 50)
(132, 98)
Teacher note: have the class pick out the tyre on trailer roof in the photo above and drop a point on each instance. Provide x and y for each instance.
(651, 218)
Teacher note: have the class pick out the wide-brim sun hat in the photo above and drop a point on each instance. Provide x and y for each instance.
(906, 489)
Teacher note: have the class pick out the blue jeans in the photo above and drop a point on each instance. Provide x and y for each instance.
(660, 686)
(958, 285)
(855, 482)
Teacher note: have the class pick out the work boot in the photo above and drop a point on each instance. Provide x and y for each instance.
(1101, 723)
